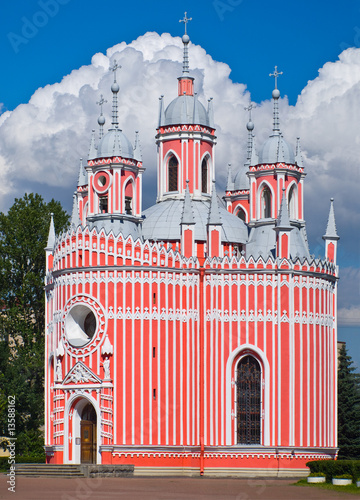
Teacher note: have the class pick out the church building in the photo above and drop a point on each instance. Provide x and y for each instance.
(197, 336)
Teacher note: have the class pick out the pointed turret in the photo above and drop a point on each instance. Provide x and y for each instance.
(83, 177)
(298, 155)
(161, 111)
(254, 160)
(211, 113)
(93, 149)
(51, 237)
(214, 229)
(283, 229)
(250, 127)
(50, 245)
(187, 215)
(230, 181)
(137, 148)
(187, 226)
(75, 217)
(214, 212)
(331, 237)
(186, 82)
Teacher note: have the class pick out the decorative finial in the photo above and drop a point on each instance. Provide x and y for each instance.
(115, 89)
(276, 95)
(101, 119)
(250, 128)
(185, 40)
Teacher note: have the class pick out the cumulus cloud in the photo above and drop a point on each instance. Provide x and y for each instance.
(42, 141)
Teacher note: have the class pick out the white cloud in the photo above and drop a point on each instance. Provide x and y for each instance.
(41, 141)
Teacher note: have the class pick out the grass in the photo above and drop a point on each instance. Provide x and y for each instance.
(352, 489)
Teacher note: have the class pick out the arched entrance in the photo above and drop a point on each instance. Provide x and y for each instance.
(88, 435)
(248, 398)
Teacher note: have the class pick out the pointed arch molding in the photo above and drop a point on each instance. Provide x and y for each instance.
(248, 349)
(101, 327)
(260, 189)
(72, 418)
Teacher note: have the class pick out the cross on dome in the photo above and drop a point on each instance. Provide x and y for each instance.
(276, 95)
(185, 40)
(101, 119)
(114, 68)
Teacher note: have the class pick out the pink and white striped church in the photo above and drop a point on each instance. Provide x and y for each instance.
(195, 337)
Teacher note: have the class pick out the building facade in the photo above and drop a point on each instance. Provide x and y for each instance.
(192, 337)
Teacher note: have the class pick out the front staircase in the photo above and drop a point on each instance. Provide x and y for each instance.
(48, 470)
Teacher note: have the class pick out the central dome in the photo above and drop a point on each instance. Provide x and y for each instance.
(115, 143)
(276, 150)
(186, 109)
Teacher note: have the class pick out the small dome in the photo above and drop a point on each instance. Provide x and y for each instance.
(275, 150)
(186, 109)
(241, 180)
(115, 143)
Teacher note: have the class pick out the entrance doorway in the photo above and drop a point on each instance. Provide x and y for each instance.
(88, 435)
(248, 401)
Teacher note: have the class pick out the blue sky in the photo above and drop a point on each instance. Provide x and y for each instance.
(38, 48)
(44, 40)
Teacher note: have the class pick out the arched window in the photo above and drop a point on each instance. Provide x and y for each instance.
(173, 174)
(266, 203)
(241, 214)
(248, 399)
(292, 202)
(129, 193)
(204, 176)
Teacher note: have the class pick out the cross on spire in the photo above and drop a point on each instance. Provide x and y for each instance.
(185, 21)
(101, 102)
(276, 74)
(114, 68)
(249, 108)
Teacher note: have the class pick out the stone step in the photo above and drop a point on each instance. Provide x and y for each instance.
(54, 470)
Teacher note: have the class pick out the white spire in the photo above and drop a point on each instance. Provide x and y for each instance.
(250, 128)
(137, 148)
(331, 232)
(93, 149)
(51, 237)
(115, 89)
(101, 119)
(75, 218)
(185, 40)
(276, 95)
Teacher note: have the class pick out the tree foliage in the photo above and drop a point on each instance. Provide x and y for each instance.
(348, 408)
(23, 238)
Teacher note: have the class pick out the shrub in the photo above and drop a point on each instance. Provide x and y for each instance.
(333, 468)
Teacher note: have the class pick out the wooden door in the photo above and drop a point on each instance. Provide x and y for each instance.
(88, 442)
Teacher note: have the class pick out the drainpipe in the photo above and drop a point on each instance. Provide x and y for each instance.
(201, 391)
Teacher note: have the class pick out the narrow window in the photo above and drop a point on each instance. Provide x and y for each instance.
(292, 202)
(248, 396)
(154, 394)
(173, 174)
(103, 205)
(128, 205)
(154, 352)
(266, 203)
(204, 176)
(154, 298)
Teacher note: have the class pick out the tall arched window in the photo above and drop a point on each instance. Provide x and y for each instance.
(266, 203)
(241, 214)
(248, 399)
(292, 202)
(173, 174)
(204, 176)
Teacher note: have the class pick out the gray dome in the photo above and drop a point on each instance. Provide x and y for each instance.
(162, 222)
(275, 150)
(241, 180)
(115, 143)
(186, 109)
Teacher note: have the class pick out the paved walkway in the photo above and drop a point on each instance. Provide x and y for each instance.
(32, 488)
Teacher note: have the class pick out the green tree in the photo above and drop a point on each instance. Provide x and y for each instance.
(348, 408)
(23, 238)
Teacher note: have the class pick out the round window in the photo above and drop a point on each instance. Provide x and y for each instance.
(102, 180)
(80, 325)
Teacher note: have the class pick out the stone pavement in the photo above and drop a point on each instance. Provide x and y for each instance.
(36, 488)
